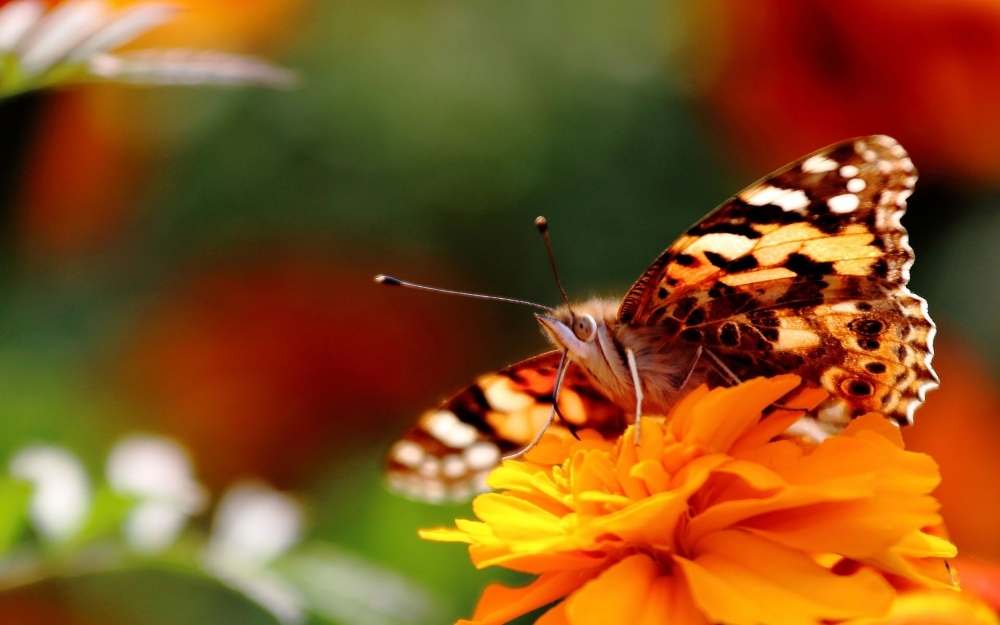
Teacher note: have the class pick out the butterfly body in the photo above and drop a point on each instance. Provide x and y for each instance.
(803, 272)
(664, 364)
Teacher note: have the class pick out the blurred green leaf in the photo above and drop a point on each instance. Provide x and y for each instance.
(348, 589)
(14, 496)
(107, 511)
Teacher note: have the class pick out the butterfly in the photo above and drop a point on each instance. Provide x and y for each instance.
(803, 272)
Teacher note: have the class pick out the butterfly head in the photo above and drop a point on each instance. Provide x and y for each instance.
(585, 332)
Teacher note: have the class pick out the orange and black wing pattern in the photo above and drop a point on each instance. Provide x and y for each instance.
(447, 455)
(805, 271)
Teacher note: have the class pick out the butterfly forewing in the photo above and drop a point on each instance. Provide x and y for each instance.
(447, 455)
(805, 272)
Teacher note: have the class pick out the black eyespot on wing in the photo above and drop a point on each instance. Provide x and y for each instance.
(868, 344)
(866, 326)
(875, 367)
(859, 388)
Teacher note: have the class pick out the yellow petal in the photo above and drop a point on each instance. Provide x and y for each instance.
(445, 535)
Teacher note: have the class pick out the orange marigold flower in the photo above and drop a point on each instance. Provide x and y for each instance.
(932, 606)
(710, 519)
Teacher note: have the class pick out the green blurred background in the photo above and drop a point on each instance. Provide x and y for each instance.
(199, 263)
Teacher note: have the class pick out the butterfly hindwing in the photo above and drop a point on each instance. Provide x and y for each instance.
(805, 272)
(447, 455)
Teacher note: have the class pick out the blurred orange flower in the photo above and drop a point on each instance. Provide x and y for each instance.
(277, 362)
(958, 426)
(786, 76)
(710, 520)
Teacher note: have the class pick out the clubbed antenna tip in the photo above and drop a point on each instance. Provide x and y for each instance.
(543, 226)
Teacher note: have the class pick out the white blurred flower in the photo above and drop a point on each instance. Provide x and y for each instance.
(253, 526)
(61, 496)
(73, 42)
(157, 471)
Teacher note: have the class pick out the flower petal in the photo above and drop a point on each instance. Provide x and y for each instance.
(555, 616)
(720, 417)
(500, 604)
(634, 591)
(741, 579)
(936, 607)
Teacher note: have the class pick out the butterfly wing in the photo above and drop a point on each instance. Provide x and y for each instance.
(805, 271)
(447, 455)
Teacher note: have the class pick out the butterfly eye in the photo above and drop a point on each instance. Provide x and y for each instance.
(585, 328)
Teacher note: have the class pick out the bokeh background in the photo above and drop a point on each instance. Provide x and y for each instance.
(198, 263)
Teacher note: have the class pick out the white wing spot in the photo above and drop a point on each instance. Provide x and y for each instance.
(460, 491)
(849, 171)
(910, 181)
(884, 140)
(897, 151)
(906, 164)
(453, 466)
(895, 220)
(445, 426)
(430, 467)
(503, 398)
(843, 203)
(884, 166)
(482, 455)
(407, 453)
(856, 185)
(478, 482)
(432, 491)
(787, 199)
(902, 196)
(818, 164)
(869, 156)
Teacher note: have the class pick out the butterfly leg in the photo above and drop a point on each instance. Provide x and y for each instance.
(637, 384)
(560, 374)
(722, 368)
(694, 364)
(536, 440)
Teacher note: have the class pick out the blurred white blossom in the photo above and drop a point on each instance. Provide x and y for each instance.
(253, 526)
(62, 495)
(157, 472)
(75, 40)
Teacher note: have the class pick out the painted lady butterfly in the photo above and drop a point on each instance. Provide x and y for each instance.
(802, 272)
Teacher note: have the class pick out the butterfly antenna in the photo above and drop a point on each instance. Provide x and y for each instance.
(543, 227)
(389, 280)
